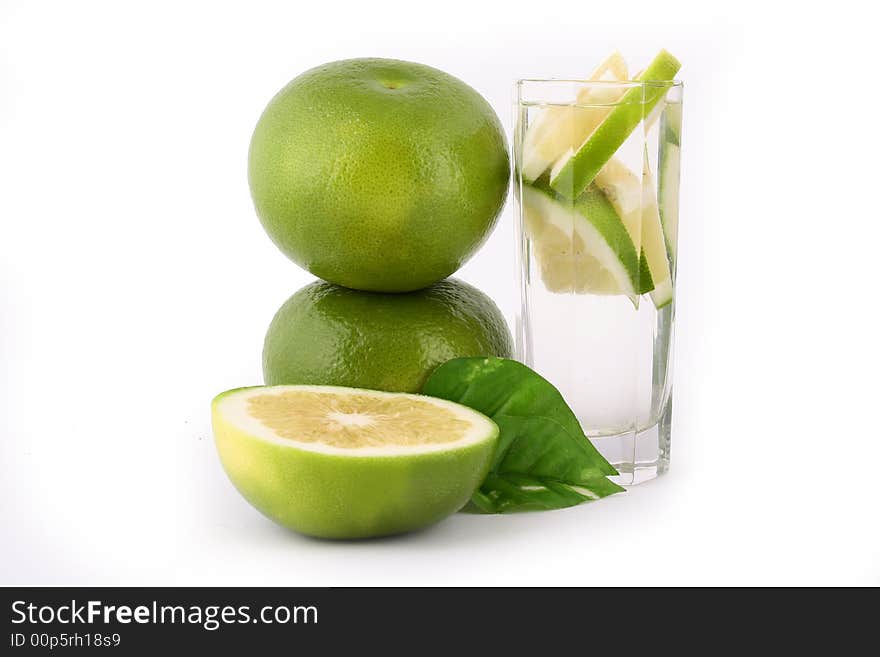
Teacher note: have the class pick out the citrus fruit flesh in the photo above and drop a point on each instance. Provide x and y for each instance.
(573, 173)
(378, 174)
(330, 335)
(582, 246)
(339, 462)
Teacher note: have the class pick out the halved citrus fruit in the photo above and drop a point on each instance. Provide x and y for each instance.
(350, 463)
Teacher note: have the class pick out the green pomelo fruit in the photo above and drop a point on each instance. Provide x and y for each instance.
(378, 174)
(330, 335)
(347, 463)
(572, 174)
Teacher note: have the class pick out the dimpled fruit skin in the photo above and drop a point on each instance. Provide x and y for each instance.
(378, 174)
(330, 335)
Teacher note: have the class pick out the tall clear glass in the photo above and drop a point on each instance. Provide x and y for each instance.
(597, 179)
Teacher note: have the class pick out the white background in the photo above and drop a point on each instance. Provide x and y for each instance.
(137, 283)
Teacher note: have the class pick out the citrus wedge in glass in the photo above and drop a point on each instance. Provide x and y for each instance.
(668, 177)
(558, 128)
(583, 246)
(635, 201)
(572, 173)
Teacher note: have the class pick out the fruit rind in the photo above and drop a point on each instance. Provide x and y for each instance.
(606, 237)
(635, 201)
(669, 176)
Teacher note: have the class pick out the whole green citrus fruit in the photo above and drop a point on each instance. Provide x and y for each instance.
(378, 174)
(330, 335)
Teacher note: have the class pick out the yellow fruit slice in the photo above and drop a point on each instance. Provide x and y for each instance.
(581, 247)
(560, 249)
(351, 463)
(635, 201)
(559, 128)
(570, 261)
(654, 242)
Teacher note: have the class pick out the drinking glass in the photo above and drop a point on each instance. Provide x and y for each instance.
(597, 182)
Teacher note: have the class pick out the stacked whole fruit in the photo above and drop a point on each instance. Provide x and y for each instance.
(381, 177)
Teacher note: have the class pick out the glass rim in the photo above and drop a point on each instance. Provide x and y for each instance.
(604, 83)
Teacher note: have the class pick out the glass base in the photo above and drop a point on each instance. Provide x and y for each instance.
(639, 455)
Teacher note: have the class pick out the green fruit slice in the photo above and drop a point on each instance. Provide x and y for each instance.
(654, 242)
(574, 172)
(669, 175)
(351, 463)
(635, 201)
(559, 128)
(582, 246)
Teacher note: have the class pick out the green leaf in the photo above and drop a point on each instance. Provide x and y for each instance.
(502, 494)
(539, 465)
(500, 386)
(543, 459)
